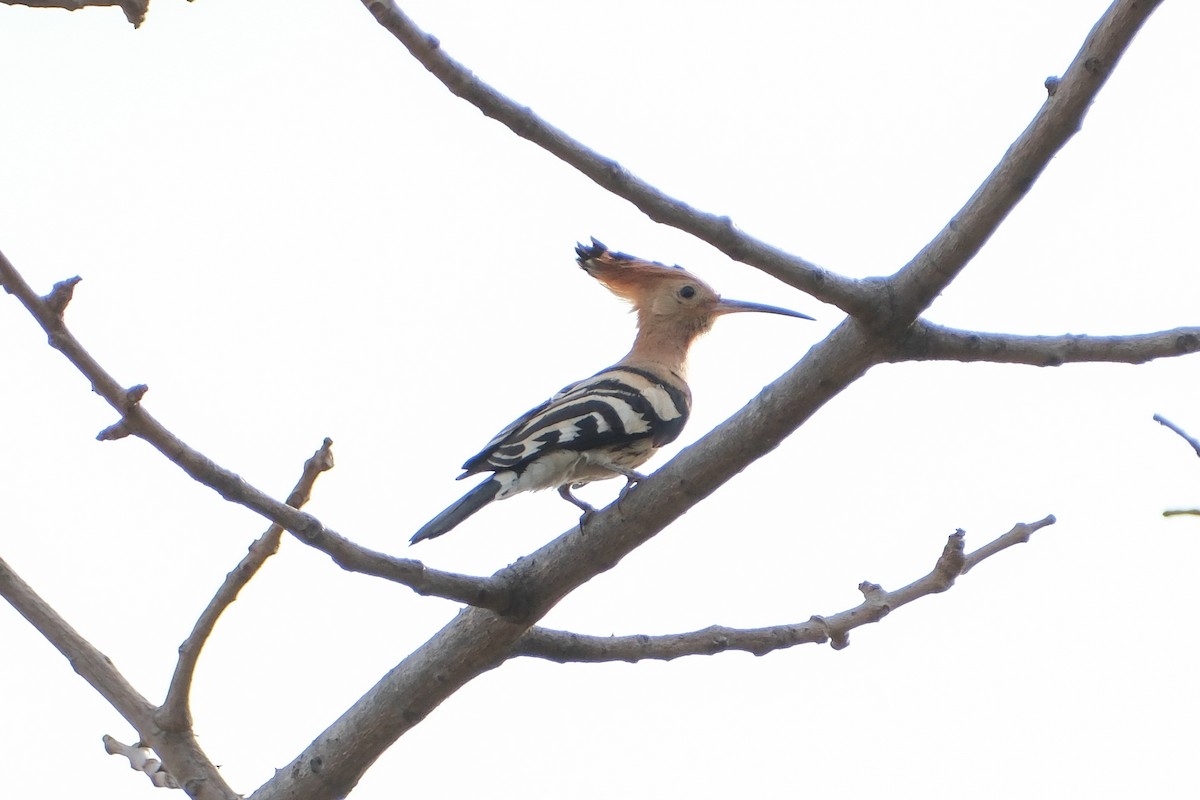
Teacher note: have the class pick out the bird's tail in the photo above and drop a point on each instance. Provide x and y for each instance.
(464, 507)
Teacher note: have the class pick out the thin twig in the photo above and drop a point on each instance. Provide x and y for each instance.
(565, 646)
(1195, 443)
(925, 341)
(1019, 534)
(175, 713)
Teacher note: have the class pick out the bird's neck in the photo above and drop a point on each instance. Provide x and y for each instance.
(662, 346)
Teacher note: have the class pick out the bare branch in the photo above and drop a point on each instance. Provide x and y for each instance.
(92, 665)
(470, 589)
(932, 269)
(135, 420)
(175, 713)
(1019, 534)
(178, 749)
(928, 342)
(565, 647)
(135, 10)
(850, 295)
(1161, 420)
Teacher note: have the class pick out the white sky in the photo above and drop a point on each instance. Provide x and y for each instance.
(289, 231)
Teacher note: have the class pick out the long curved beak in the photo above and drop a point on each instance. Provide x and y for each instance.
(734, 306)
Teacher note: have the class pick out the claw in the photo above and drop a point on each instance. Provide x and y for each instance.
(585, 516)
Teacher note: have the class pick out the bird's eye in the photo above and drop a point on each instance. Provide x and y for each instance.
(687, 292)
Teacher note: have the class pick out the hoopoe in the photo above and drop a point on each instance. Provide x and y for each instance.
(609, 424)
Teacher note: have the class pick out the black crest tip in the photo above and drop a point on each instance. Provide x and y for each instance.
(585, 252)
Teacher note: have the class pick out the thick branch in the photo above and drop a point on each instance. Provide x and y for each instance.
(565, 647)
(925, 341)
(848, 294)
(932, 269)
(175, 713)
(135, 10)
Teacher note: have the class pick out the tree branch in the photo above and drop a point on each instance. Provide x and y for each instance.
(175, 713)
(916, 285)
(135, 10)
(566, 647)
(92, 665)
(473, 590)
(1195, 443)
(925, 341)
(135, 420)
(852, 296)
(184, 759)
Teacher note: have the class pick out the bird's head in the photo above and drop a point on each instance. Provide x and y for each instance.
(664, 296)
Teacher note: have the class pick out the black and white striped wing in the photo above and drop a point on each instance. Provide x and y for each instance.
(618, 406)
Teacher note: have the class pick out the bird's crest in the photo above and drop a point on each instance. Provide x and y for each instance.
(626, 276)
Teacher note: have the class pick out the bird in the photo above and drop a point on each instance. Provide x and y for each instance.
(609, 424)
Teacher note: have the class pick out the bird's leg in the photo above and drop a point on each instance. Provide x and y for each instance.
(564, 492)
(630, 475)
(631, 479)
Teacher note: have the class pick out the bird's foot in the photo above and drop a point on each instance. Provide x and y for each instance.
(631, 479)
(585, 517)
(628, 487)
